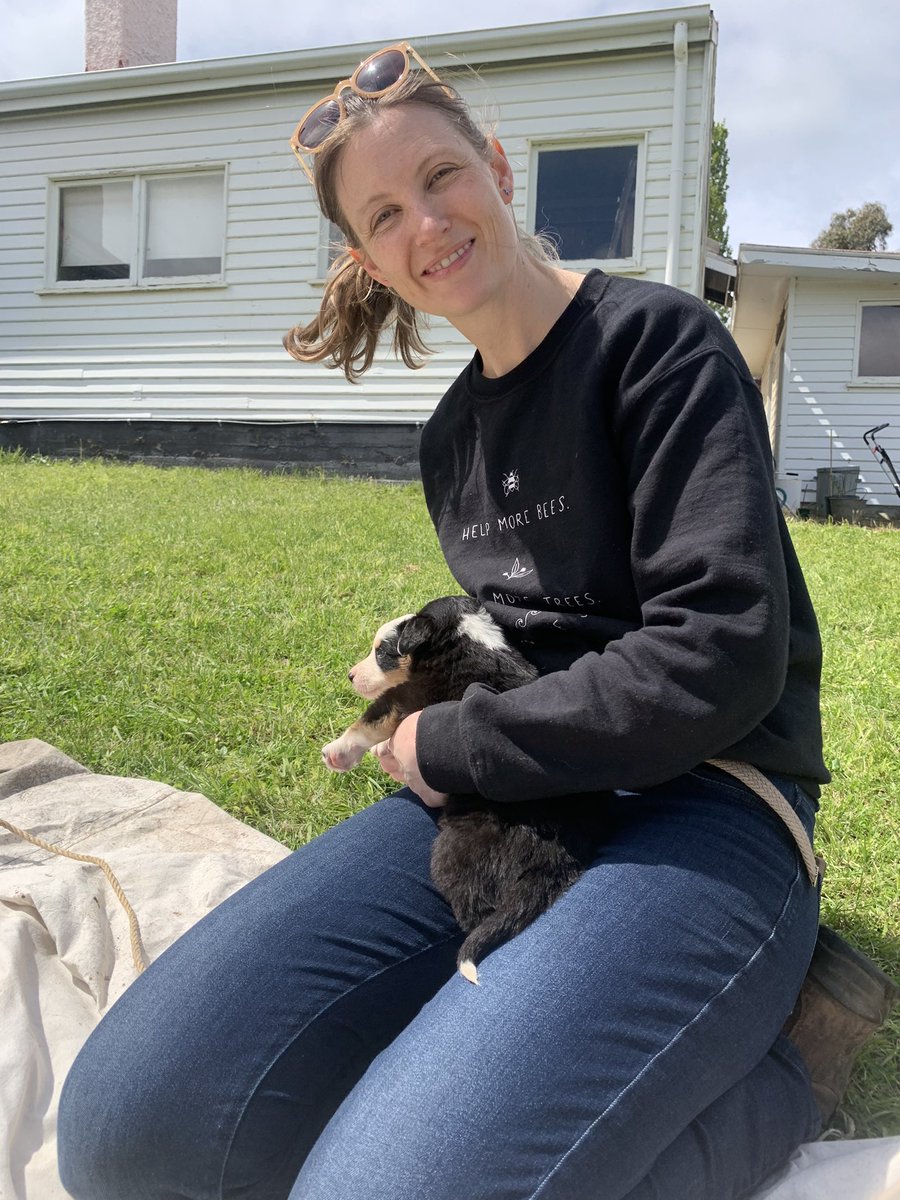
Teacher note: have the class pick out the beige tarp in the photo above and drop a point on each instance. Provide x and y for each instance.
(66, 951)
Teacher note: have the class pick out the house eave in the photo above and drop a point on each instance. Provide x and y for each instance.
(498, 47)
(803, 262)
(764, 274)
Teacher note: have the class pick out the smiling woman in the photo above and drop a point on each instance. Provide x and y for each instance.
(446, 162)
(600, 480)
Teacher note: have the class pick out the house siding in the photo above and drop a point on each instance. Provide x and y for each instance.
(214, 352)
(825, 414)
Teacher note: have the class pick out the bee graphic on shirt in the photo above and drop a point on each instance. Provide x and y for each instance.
(510, 482)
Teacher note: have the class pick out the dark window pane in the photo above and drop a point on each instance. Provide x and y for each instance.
(95, 271)
(585, 200)
(170, 267)
(879, 340)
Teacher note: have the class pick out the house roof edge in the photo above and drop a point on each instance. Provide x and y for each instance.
(495, 47)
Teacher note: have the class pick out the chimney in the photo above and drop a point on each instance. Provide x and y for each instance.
(128, 33)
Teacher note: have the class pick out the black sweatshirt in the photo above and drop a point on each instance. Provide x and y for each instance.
(611, 502)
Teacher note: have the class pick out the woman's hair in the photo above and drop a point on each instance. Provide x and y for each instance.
(356, 308)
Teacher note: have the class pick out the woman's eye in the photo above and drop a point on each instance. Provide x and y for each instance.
(381, 217)
(441, 173)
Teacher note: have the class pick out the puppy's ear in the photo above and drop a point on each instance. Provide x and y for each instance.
(415, 633)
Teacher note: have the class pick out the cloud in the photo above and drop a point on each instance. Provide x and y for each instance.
(272, 25)
(40, 40)
(807, 88)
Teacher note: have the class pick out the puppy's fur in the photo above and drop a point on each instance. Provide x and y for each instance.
(498, 865)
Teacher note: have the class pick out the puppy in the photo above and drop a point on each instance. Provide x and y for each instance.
(498, 865)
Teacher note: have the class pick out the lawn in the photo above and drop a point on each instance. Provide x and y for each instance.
(196, 627)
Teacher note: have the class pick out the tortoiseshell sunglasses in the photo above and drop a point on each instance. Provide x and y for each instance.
(376, 76)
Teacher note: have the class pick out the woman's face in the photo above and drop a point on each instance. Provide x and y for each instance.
(429, 213)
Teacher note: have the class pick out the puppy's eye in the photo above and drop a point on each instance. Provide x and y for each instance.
(386, 654)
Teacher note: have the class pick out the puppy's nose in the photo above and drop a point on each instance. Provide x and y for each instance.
(350, 676)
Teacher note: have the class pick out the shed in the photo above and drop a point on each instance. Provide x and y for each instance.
(157, 237)
(820, 330)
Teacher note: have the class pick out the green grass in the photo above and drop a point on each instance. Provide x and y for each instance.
(196, 627)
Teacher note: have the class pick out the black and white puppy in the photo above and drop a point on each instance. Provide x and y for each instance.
(498, 865)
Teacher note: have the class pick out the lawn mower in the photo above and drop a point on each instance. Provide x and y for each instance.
(882, 456)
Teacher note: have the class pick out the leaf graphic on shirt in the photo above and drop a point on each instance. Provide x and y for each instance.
(517, 572)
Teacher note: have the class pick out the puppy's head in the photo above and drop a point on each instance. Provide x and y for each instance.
(386, 664)
(411, 642)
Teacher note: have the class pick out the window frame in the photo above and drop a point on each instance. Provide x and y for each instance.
(885, 381)
(139, 180)
(593, 141)
(323, 248)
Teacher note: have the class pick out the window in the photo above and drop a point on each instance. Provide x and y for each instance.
(587, 200)
(139, 230)
(95, 231)
(331, 242)
(879, 341)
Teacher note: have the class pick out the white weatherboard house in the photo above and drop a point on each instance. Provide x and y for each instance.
(157, 237)
(820, 330)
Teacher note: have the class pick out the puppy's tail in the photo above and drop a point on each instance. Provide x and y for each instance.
(522, 905)
(499, 927)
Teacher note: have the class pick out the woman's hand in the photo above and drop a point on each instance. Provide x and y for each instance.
(398, 757)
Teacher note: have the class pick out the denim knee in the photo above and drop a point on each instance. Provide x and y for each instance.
(94, 1140)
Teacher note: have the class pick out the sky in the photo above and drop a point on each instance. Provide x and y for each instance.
(807, 88)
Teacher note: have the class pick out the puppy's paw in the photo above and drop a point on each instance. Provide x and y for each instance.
(342, 755)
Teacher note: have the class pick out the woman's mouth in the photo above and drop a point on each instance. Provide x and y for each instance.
(444, 263)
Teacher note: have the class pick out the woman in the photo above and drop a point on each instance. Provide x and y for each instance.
(599, 476)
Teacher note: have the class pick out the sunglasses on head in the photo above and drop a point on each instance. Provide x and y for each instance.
(377, 75)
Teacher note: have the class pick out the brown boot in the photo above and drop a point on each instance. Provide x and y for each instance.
(844, 999)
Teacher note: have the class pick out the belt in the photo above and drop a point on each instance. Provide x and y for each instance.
(769, 793)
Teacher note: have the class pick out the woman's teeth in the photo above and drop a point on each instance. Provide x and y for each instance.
(451, 258)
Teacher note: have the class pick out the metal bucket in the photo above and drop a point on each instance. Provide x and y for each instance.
(847, 508)
(834, 481)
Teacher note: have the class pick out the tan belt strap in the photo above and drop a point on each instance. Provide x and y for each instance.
(767, 791)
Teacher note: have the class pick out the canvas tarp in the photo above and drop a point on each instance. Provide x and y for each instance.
(66, 947)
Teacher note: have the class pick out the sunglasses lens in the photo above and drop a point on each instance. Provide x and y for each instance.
(319, 124)
(380, 72)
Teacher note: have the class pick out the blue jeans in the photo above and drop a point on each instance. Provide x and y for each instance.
(311, 1039)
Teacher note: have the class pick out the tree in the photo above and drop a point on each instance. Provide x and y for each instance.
(717, 224)
(717, 219)
(866, 228)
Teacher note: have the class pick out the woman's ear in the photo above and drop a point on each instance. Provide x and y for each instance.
(367, 264)
(503, 171)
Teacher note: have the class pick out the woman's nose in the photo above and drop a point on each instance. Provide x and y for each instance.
(431, 223)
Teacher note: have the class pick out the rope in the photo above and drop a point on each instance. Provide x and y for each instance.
(767, 791)
(137, 949)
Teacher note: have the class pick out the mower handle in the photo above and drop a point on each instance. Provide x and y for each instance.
(875, 429)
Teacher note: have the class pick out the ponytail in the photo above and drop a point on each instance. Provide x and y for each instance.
(355, 309)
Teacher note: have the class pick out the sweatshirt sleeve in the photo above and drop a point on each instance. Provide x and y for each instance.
(709, 659)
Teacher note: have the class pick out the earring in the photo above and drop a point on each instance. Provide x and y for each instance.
(507, 191)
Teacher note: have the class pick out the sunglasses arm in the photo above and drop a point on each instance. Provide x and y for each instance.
(300, 159)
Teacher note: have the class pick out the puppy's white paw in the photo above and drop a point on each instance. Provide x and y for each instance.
(342, 754)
